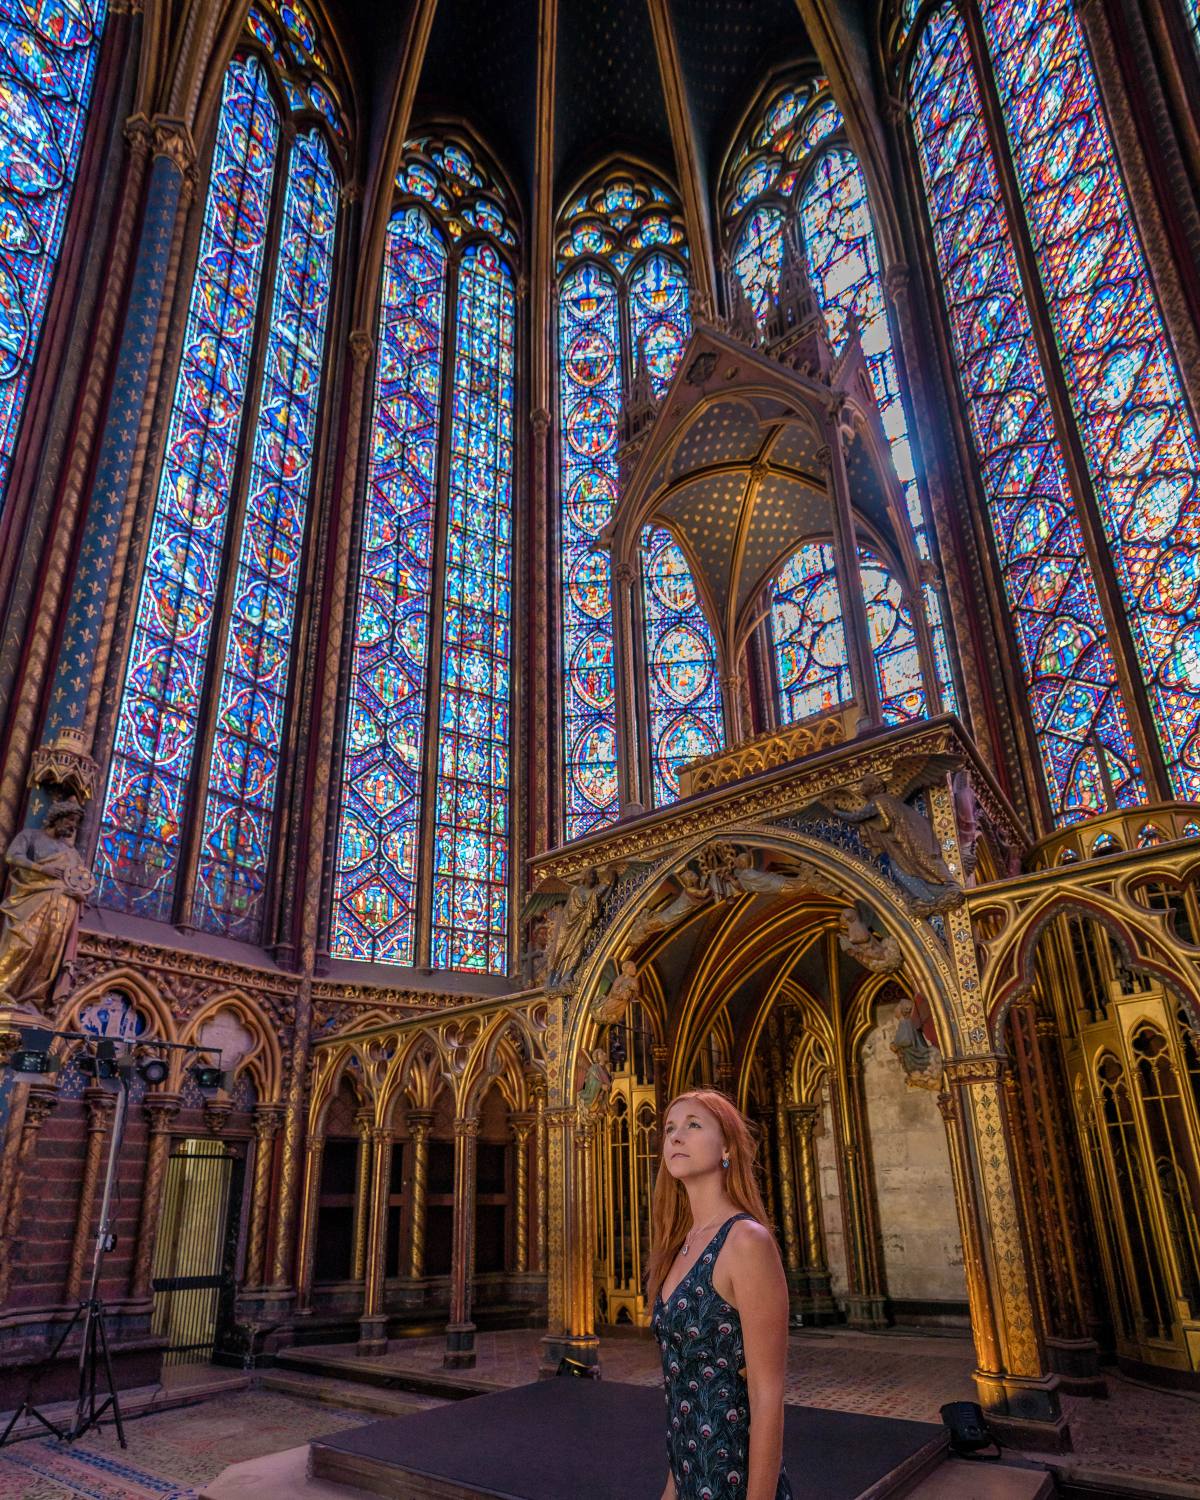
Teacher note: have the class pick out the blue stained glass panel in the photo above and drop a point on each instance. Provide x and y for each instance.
(47, 64)
(471, 807)
(811, 666)
(660, 316)
(1139, 435)
(1075, 700)
(758, 257)
(843, 266)
(893, 642)
(376, 851)
(683, 688)
(590, 403)
(143, 810)
(236, 830)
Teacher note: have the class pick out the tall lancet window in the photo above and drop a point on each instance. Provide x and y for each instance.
(190, 807)
(1114, 364)
(47, 64)
(793, 172)
(623, 312)
(422, 861)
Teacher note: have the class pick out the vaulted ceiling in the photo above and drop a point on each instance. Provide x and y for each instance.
(481, 65)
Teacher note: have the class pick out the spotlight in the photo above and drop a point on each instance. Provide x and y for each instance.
(99, 1064)
(208, 1076)
(153, 1070)
(968, 1430)
(575, 1369)
(33, 1054)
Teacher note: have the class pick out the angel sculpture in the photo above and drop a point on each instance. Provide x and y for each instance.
(597, 1085)
(624, 990)
(578, 911)
(920, 1059)
(878, 952)
(694, 892)
(890, 826)
(805, 879)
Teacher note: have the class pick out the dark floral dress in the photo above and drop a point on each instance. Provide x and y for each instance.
(708, 1405)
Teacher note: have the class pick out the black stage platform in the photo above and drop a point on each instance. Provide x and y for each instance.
(600, 1440)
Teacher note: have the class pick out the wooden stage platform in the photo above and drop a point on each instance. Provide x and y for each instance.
(568, 1439)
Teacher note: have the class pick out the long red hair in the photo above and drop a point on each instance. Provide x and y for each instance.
(671, 1216)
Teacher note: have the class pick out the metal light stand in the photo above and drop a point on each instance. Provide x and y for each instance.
(90, 1406)
(93, 1345)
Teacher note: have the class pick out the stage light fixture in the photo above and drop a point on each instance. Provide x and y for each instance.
(152, 1070)
(32, 1051)
(208, 1076)
(102, 1063)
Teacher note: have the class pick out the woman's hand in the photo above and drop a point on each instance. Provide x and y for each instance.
(669, 1490)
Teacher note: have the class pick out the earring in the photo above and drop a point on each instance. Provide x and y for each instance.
(725, 1160)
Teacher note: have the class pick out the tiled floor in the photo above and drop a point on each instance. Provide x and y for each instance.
(1151, 1433)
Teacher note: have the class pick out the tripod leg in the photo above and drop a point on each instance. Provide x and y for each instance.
(112, 1384)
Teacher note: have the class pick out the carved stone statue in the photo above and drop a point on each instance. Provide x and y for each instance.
(775, 883)
(891, 827)
(694, 893)
(624, 990)
(920, 1059)
(576, 919)
(966, 818)
(597, 1084)
(879, 952)
(48, 884)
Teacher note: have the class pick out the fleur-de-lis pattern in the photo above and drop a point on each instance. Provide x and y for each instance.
(708, 1404)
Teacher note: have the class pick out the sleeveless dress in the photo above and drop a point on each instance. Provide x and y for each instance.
(708, 1404)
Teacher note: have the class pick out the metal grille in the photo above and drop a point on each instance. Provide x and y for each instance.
(190, 1272)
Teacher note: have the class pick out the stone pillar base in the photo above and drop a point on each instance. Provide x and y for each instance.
(460, 1347)
(372, 1335)
(866, 1312)
(1076, 1362)
(811, 1298)
(584, 1349)
(1024, 1412)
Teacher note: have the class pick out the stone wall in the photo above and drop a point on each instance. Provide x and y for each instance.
(918, 1222)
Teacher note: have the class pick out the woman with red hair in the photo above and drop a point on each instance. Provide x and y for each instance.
(720, 1308)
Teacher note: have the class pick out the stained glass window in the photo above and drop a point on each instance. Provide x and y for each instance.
(1075, 700)
(471, 818)
(787, 155)
(144, 807)
(47, 63)
(235, 835)
(893, 641)
(225, 440)
(374, 897)
(681, 663)
(612, 294)
(811, 666)
(412, 864)
(1139, 435)
(590, 395)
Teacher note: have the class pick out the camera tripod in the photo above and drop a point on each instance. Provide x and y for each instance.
(91, 1405)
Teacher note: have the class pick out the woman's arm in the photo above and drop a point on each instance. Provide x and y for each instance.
(760, 1295)
(669, 1490)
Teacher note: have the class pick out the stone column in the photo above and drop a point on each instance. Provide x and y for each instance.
(363, 1121)
(783, 1147)
(314, 1156)
(420, 1123)
(20, 1149)
(1015, 1386)
(460, 1331)
(817, 1305)
(267, 1120)
(854, 609)
(541, 1149)
(372, 1327)
(521, 1126)
(629, 754)
(101, 1104)
(160, 1109)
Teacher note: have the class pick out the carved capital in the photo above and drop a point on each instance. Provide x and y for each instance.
(140, 135)
(984, 1067)
(361, 344)
(466, 1130)
(267, 1119)
(173, 139)
(216, 1114)
(351, 193)
(100, 1106)
(896, 280)
(420, 1123)
(540, 421)
(38, 1107)
(160, 1109)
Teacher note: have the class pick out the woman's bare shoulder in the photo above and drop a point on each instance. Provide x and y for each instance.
(750, 1242)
